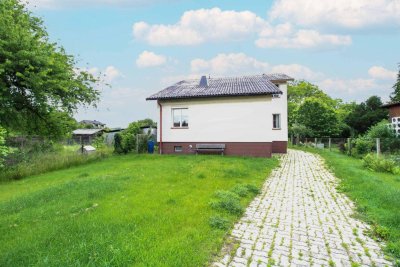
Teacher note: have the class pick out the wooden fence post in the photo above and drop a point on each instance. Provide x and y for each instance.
(378, 146)
(315, 141)
(349, 145)
(330, 143)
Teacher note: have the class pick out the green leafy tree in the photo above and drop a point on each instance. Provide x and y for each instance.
(318, 117)
(3, 148)
(366, 114)
(300, 130)
(299, 91)
(395, 96)
(39, 84)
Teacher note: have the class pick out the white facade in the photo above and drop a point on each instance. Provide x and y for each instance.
(227, 119)
(395, 124)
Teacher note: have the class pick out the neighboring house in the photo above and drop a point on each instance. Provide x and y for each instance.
(94, 124)
(86, 136)
(247, 114)
(394, 116)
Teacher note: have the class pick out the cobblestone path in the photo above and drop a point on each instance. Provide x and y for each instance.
(300, 219)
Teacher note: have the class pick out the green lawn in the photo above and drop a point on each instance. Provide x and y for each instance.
(377, 196)
(142, 210)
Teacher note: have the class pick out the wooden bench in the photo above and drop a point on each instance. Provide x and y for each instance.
(210, 148)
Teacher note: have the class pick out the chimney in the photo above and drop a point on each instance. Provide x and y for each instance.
(203, 81)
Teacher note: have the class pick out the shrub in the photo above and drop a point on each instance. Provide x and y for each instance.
(227, 201)
(241, 190)
(380, 164)
(363, 146)
(118, 144)
(219, 222)
(253, 189)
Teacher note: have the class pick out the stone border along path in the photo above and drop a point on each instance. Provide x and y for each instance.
(300, 219)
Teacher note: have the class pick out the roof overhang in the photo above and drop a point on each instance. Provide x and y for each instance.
(210, 96)
(389, 105)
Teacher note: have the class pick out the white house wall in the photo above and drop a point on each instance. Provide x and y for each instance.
(227, 119)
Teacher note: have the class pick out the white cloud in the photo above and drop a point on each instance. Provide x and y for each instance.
(210, 25)
(241, 64)
(111, 73)
(378, 72)
(149, 59)
(229, 64)
(358, 89)
(199, 26)
(297, 71)
(352, 14)
(303, 39)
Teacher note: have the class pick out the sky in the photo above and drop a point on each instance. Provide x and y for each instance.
(349, 48)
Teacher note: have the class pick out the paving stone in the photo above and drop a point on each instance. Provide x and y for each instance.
(299, 218)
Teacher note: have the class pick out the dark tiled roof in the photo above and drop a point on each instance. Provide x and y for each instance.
(392, 104)
(278, 77)
(229, 86)
(92, 122)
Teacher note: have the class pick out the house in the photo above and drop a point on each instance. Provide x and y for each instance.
(86, 136)
(94, 124)
(247, 115)
(394, 116)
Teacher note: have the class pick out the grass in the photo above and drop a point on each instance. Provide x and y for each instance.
(142, 210)
(39, 163)
(377, 196)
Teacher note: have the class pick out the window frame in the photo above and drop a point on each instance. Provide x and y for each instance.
(180, 118)
(178, 149)
(279, 121)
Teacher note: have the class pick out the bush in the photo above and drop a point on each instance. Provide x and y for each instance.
(253, 189)
(380, 164)
(219, 222)
(363, 146)
(227, 201)
(241, 190)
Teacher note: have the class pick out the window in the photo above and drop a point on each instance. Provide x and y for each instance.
(178, 148)
(393, 119)
(180, 117)
(276, 121)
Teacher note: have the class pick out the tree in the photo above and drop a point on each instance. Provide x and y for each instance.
(39, 84)
(366, 114)
(318, 117)
(299, 91)
(3, 148)
(395, 96)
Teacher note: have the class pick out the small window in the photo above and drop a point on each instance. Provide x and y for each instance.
(276, 121)
(178, 148)
(393, 119)
(180, 117)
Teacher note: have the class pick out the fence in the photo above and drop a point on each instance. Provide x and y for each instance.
(352, 145)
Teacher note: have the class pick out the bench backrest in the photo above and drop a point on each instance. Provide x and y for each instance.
(210, 146)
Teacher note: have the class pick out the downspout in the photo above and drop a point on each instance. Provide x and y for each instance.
(160, 146)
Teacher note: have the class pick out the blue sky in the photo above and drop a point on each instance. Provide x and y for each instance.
(347, 47)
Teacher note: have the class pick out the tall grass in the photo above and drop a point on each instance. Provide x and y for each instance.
(44, 162)
(130, 210)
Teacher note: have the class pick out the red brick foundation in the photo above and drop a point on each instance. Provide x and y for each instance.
(279, 147)
(259, 149)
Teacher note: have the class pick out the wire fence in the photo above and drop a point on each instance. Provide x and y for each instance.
(352, 146)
